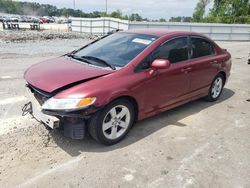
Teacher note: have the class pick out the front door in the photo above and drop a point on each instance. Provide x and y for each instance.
(167, 86)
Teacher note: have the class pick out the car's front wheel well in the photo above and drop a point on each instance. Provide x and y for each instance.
(133, 102)
(224, 75)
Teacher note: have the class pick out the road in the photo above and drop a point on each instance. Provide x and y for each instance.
(199, 144)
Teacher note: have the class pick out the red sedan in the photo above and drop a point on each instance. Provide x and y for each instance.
(109, 84)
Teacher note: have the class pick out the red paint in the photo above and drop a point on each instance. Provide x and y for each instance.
(56, 73)
(154, 90)
(160, 64)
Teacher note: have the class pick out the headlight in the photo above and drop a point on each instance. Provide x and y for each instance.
(68, 104)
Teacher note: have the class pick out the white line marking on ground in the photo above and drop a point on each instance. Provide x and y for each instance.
(6, 77)
(132, 171)
(156, 183)
(12, 100)
(184, 181)
(60, 167)
(129, 177)
(239, 124)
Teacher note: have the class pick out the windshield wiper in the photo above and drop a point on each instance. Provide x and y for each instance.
(79, 58)
(99, 60)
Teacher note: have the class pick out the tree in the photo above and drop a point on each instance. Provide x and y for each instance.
(116, 14)
(200, 10)
(180, 19)
(135, 17)
(230, 11)
(186, 19)
(175, 19)
(27, 8)
(162, 20)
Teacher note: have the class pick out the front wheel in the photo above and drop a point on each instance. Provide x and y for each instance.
(216, 88)
(110, 125)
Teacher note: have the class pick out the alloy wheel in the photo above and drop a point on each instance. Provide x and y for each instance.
(217, 87)
(116, 122)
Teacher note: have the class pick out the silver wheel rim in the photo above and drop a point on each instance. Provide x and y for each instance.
(116, 122)
(217, 87)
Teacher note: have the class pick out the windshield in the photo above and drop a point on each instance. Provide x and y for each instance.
(118, 49)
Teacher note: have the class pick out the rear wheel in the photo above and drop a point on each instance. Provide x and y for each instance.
(216, 88)
(110, 125)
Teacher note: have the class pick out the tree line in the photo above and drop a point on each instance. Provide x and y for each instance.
(223, 11)
(37, 9)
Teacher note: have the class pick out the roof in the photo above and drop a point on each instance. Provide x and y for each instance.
(160, 32)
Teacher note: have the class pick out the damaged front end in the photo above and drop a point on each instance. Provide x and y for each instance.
(72, 121)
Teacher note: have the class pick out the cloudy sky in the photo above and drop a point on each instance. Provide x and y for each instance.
(147, 8)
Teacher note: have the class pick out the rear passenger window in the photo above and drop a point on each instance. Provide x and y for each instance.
(201, 47)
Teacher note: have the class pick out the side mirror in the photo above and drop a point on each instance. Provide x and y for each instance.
(160, 64)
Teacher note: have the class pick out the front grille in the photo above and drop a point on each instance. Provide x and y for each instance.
(40, 98)
(40, 95)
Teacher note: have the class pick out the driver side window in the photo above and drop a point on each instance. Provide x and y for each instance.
(175, 50)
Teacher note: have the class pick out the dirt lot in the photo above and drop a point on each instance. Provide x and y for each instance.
(200, 144)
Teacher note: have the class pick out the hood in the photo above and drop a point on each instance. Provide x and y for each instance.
(59, 72)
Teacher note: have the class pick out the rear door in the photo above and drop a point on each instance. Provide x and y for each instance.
(204, 64)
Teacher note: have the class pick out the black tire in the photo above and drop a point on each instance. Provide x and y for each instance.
(211, 97)
(95, 124)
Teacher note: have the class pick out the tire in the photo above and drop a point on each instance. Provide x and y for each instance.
(216, 88)
(108, 126)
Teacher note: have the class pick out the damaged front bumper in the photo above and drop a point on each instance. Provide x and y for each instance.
(73, 123)
(34, 108)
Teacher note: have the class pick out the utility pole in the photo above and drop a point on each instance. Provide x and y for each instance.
(74, 4)
(106, 7)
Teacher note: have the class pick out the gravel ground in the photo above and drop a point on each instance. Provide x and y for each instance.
(44, 48)
(27, 35)
(199, 144)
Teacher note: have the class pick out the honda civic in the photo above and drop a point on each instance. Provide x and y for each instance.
(106, 86)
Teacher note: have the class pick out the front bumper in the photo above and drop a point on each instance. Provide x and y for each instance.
(73, 123)
(34, 108)
(73, 130)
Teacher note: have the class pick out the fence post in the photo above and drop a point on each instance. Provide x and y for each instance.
(103, 26)
(109, 24)
(210, 31)
(231, 31)
(91, 27)
(81, 26)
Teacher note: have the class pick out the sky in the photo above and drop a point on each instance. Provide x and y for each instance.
(152, 9)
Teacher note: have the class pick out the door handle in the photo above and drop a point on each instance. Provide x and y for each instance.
(214, 62)
(186, 70)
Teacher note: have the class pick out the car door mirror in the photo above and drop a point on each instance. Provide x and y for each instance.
(160, 64)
